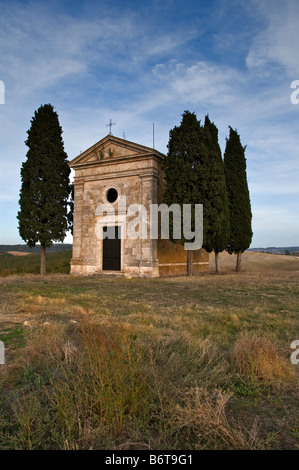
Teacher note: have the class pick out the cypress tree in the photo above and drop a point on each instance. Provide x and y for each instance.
(43, 215)
(213, 193)
(179, 168)
(238, 196)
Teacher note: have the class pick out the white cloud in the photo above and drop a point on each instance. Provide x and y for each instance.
(41, 48)
(201, 82)
(276, 47)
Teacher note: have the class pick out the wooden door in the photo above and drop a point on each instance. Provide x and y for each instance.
(111, 249)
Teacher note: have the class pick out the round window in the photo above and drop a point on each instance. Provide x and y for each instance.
(112, 195)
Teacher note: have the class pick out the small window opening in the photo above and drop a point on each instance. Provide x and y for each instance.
(112, 195)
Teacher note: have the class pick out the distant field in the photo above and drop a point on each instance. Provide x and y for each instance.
(172, 363)
(36, 249)
(29, 263)
(258, 262)
(59, 262)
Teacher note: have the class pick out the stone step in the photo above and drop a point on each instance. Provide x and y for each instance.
(108, 274)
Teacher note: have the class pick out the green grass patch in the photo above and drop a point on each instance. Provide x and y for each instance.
(13, 336)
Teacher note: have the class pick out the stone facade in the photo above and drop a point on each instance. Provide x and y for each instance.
(134, 171)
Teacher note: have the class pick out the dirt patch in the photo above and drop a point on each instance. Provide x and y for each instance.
(18, 253)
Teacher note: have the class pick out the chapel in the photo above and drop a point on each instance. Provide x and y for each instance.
(109, 172)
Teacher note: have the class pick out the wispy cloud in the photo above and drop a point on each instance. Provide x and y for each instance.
(274, 49)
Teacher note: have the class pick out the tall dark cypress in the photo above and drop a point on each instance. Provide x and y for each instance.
(213, 193)
(43, 216)
(179, 167)
(238, 196)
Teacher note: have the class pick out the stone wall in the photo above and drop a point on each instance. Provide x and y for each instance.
(172, 257)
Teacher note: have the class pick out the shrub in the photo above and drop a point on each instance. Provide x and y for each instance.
(75, 387)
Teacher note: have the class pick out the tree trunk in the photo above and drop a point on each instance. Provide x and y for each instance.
(42, 259)
(238, 265)
(190, 263)
(217, 264)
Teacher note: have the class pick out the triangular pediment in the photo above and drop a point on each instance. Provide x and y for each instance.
(109, 148)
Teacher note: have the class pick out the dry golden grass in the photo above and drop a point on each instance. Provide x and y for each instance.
(202, 418)
(257, 358)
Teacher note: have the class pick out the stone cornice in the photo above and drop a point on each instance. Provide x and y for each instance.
(148, 172)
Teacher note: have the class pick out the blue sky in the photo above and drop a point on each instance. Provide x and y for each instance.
(140, 62)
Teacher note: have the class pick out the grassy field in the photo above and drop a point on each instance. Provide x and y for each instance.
(28, 263)
(174, 363)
